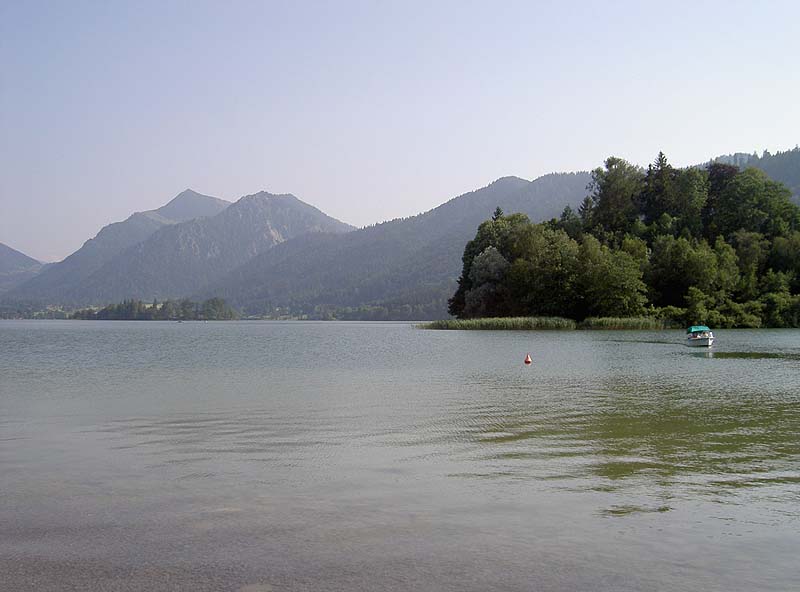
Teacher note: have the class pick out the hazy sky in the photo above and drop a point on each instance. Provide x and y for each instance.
(367, 110)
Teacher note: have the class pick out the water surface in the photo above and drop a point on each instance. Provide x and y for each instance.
(256, 456)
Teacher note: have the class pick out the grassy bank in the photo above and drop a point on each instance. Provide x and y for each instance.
(542, 323)
(502, 323)
(624, 323)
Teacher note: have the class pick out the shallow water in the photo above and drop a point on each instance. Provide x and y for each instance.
(256, 456)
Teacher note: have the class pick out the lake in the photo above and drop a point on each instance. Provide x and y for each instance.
(272, 456)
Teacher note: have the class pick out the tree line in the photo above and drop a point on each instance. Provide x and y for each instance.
(715, 245)
(213, 309)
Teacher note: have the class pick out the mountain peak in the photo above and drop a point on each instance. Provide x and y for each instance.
(510, 180)
(186, 194)
(189, 204)
(267, 195)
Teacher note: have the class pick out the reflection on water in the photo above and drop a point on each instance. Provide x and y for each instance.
(303, 453)
(625, 510)
(679, 440)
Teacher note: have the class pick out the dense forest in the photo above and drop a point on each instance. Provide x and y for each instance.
(213, 309)
(715, 245)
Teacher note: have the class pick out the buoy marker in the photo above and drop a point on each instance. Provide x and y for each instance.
(528, 359)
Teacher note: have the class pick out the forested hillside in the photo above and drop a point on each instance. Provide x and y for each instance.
(718, 245)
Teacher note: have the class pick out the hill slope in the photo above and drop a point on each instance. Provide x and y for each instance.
(404, 268)
(15, 267)
(59, 279)
(13, 260)
(180, 259)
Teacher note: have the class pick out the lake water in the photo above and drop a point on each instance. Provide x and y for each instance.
(257, 456)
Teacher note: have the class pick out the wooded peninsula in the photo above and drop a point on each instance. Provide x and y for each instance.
(711, 245)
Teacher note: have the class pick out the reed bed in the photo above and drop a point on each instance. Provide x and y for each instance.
(549, 323)
(503, 324)
(624, 323)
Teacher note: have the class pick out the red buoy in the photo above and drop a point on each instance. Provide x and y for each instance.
(528, 359)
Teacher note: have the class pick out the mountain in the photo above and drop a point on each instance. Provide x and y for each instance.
(12, 260)
(59, 279)
(15, 267)
(406, 268)
(180, 259)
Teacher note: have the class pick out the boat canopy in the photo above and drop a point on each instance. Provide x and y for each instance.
(695, 328)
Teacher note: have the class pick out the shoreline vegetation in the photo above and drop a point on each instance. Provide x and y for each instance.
(548, 323)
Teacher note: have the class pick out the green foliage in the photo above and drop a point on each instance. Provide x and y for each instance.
(677, 264)
(717, 246)
(785, 256)
(752, 250)
(636, 248)
(542, 277)
(615, 192)
(674, 196)
(571, 223)
(500, 233)
(751, 201)
(486, 276)
(609, 282)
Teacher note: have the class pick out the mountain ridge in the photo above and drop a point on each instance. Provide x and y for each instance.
(59, 278)
(179, 259)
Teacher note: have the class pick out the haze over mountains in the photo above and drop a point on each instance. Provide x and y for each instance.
(275, 255)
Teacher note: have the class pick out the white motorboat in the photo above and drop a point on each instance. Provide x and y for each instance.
(699, 336)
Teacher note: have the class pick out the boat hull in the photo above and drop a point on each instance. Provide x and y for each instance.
(700, 341)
